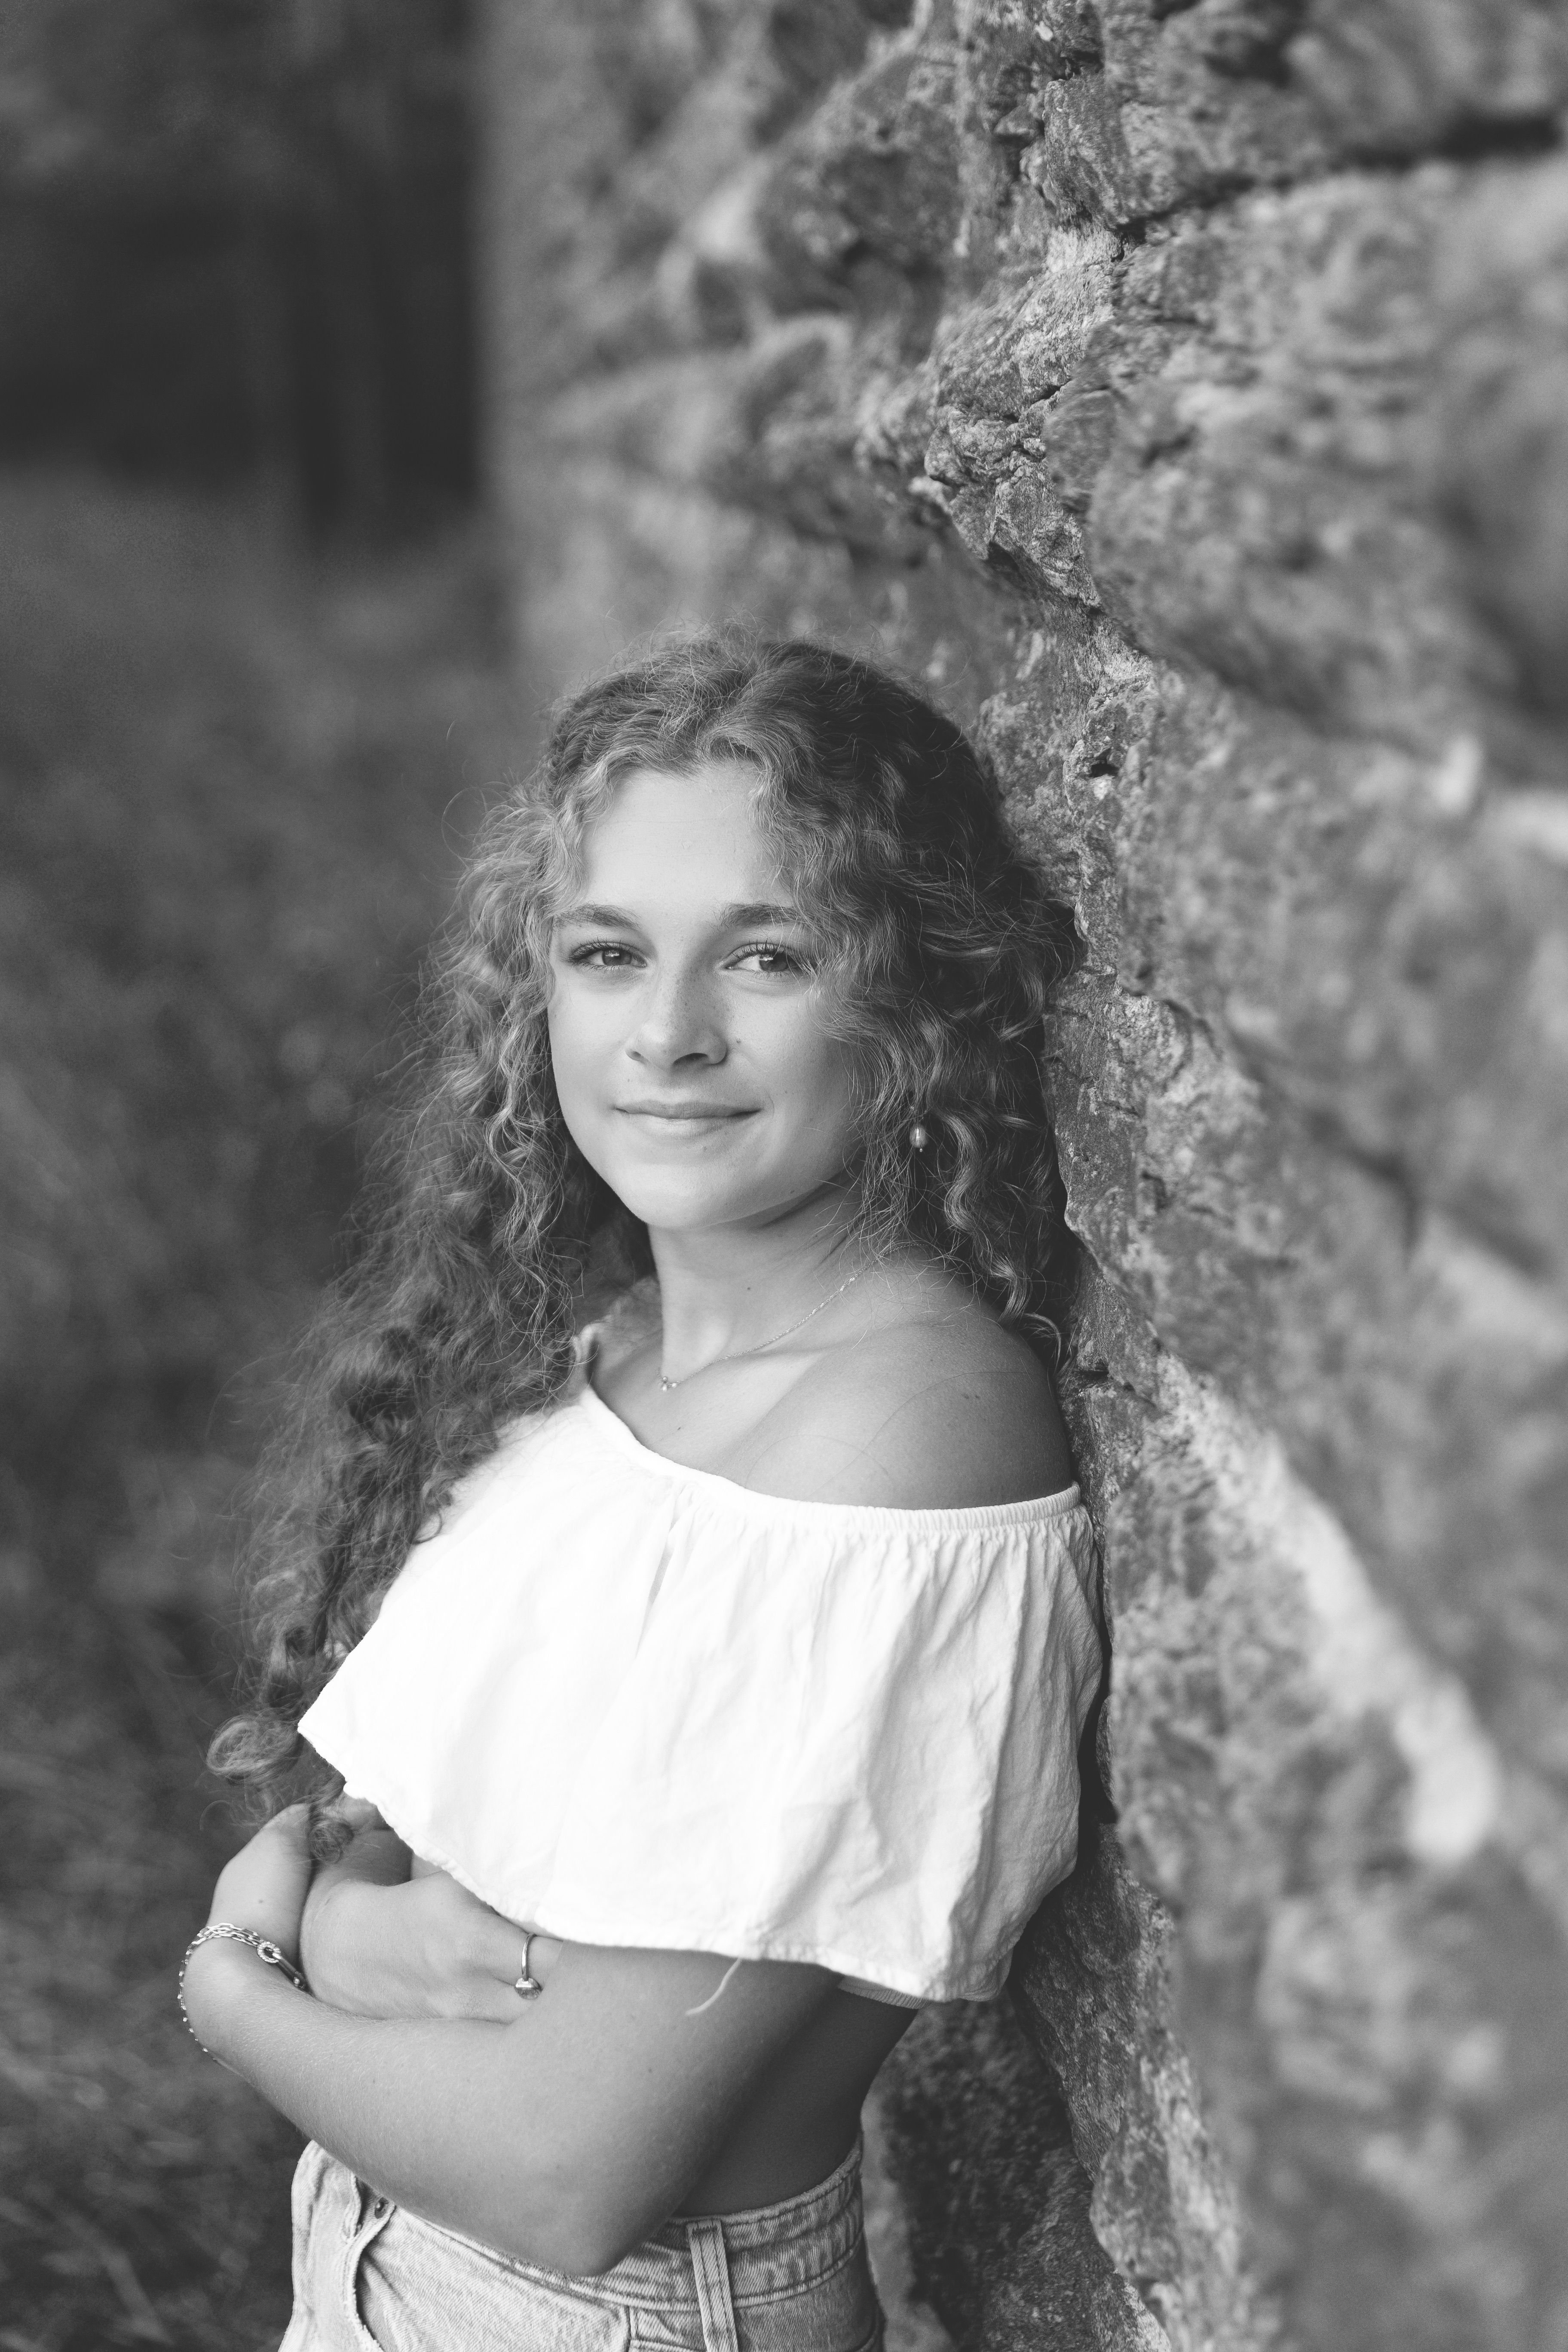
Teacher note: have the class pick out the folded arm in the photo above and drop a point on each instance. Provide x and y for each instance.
(561, 2137)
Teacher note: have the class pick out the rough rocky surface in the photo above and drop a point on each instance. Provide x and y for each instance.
(1183, 391)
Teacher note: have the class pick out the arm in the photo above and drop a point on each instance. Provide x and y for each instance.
(560, 2138)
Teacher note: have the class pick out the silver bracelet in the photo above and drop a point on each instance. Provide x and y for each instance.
(262, 1945)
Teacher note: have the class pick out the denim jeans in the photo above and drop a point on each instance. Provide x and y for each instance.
(791, 2277)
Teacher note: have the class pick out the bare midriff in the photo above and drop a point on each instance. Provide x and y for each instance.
(803, 2118)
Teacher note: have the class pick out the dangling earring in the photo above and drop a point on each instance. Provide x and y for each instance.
(919, 1138)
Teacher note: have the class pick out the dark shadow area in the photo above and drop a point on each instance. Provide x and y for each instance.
(981, 2141)
(235, 246)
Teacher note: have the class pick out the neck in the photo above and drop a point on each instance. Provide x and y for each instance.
(725, 1289)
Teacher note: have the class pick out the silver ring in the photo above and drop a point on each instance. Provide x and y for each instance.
(527, 1985)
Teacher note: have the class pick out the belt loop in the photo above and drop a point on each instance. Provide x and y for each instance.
(711, 2263)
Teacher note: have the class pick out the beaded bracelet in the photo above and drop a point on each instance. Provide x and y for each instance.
(262, 1945)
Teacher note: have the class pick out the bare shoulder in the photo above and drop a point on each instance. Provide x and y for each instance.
(948, 1413)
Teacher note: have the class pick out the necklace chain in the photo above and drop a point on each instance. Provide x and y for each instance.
(666, 1384)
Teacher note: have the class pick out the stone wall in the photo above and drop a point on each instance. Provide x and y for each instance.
(1183, 391)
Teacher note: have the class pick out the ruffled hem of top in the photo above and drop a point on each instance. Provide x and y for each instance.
(575, 1920)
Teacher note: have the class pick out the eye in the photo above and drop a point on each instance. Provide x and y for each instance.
(769, 956)
(603, 955)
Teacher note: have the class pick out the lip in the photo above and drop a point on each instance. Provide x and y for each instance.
(692, 1113)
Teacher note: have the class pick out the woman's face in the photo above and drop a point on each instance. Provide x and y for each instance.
(691, 1056)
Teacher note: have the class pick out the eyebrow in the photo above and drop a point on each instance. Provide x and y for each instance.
(744, 914)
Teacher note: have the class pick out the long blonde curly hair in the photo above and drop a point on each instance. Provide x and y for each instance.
(941, 945)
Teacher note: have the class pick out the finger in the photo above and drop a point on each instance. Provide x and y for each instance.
(292, 1824)
(488, 1947)
(282, 1843)
(279, 1844)
(263, 1885)
(502, 1955)
(495, 1948)
(495, 1995)
(495, 2004)
(358, 1814)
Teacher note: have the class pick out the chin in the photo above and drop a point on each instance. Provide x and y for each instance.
(676, 1209)
(677, 1200)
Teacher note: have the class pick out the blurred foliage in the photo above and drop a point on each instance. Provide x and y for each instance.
(234, 785)
(143, 2190)
(224, 833)
(234, 239)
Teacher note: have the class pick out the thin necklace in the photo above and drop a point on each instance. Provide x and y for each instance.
(665, 1384)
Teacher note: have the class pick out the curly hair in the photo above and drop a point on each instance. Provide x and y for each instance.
(940, 945)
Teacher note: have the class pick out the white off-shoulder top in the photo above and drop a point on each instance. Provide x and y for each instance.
(629, 1703)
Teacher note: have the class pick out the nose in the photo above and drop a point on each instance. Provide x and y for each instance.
(678, 1022)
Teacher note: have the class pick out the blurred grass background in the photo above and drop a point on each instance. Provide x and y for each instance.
(251, 692)
(235, 776)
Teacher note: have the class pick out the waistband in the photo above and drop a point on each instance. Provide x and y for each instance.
(771, 2226)
(767, 2251)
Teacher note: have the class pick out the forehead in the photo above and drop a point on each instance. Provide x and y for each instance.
(695, 838)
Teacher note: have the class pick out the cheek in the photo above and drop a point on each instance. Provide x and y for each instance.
(571, 1035)
(572, 1063)
(817, 1075)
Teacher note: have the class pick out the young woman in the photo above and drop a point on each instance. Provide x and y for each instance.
(697, 1693)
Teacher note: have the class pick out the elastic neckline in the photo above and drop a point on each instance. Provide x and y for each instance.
(609, 1425)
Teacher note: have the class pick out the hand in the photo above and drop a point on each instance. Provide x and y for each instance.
(374, 1856)
(264, 1886)
(425, 1947)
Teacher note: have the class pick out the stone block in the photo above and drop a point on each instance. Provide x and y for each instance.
(1402, 78)
(1502, 464)
(968, 2104)
(1179, 108)
(1092, 1983)
(1316, 1798)
(866, 193)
